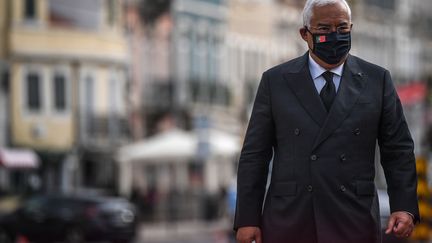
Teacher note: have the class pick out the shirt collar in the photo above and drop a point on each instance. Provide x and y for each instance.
(316, 70)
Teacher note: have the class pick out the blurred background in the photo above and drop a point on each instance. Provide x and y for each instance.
(125, 118)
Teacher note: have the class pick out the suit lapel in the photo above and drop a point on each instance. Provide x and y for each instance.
(351, 85)
(300, 82)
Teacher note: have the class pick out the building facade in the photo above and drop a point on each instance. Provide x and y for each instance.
(67, 74)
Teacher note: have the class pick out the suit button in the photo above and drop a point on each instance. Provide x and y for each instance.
(342, 188)
(342, 157)
(309, 188)
(313, 157)
(357, 131)
(297, 131)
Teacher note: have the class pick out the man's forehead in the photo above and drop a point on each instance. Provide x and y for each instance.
(330, 20)
(339, 22)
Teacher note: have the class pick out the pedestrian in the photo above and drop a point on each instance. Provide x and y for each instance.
(318, 118)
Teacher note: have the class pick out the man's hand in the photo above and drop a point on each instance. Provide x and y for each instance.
(400, 224)
(248, 235)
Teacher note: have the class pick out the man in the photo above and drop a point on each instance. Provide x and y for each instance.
(319, 117)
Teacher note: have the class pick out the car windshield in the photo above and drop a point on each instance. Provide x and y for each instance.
(114, 205)
(35, 203)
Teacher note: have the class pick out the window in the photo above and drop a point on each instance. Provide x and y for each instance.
(33, 91)
(59, 85)
(30, 9)
(89, 92)
(81, 14)
(113, 109)
(111, 12)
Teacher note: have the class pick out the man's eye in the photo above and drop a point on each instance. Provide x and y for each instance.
(323, 28)
(343, 29)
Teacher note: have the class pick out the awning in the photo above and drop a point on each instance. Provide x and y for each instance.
(178, 145)
(18, 158)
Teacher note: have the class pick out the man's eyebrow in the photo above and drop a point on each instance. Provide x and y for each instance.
(323, 24)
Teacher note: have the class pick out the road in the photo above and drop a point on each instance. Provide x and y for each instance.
(192, 239)
(185, 232)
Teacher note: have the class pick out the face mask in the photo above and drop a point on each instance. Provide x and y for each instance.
(332, 47)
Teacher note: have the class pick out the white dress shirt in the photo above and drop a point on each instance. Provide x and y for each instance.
(316, 71)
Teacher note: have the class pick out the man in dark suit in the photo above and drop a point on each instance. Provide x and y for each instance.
(318, 117)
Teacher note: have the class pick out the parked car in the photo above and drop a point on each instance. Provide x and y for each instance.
(71, 219)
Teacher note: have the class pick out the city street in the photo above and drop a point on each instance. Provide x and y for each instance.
(159, 121)
(193, 239)
(185, 232)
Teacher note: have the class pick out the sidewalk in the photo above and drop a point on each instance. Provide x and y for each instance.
(183, 230)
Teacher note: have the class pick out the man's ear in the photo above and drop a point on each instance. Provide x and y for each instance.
(303, 33)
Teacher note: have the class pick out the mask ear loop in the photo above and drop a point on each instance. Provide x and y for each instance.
(313, 41)
(307, 29)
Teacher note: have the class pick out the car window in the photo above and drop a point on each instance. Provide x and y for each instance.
(114, 205)
(55, 205)
(34, 204)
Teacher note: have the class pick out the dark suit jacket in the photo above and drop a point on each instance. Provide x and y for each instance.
(322, 186)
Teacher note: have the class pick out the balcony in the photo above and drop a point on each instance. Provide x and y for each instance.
(103, 133)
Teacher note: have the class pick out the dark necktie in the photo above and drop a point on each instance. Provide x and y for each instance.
(328, 92)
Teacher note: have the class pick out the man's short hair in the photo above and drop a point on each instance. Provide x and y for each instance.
(310, 4)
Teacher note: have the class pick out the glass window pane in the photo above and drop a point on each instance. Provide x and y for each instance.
(89, 92)
(111, 12)
(33, 92)
(59, 92)
(30, 9)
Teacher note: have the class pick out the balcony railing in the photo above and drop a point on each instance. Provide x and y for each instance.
(104, 132)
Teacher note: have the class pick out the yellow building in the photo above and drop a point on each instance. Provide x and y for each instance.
(255, 44)
(67, 76)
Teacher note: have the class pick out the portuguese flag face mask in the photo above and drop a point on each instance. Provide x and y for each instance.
(331, 47)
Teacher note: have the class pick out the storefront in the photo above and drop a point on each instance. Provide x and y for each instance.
(18, 171)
